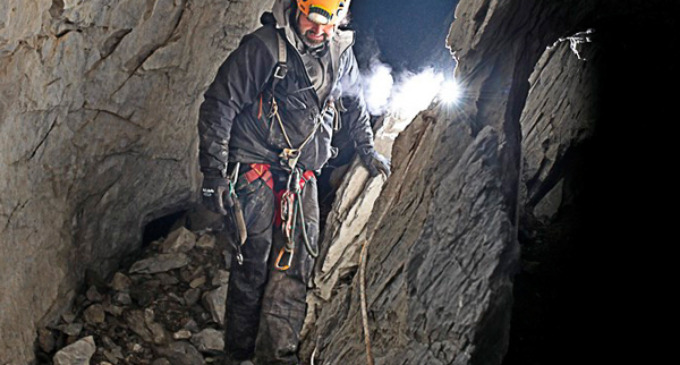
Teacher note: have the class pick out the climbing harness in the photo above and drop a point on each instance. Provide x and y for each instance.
(290, 213)
(290, 205)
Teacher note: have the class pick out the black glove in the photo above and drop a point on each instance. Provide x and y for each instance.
(216, 194)
(374, 162)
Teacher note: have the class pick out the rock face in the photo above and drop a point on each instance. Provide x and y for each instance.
(98, 109)
(557, 123)
(444, 230)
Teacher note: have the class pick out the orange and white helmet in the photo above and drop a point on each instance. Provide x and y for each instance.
(324, 11)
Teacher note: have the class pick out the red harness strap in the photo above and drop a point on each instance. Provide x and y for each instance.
(260, 171)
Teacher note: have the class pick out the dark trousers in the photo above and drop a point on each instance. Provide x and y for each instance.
(266, 307)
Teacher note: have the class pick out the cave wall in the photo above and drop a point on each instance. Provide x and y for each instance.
(444, 250)
(98, 109)
(559, 129)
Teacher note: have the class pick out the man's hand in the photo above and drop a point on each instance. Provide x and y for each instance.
(216, 194)
(374, 162)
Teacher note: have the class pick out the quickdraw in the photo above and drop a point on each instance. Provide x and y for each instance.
(291, 207)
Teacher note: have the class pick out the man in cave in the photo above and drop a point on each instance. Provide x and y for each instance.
(265, 130)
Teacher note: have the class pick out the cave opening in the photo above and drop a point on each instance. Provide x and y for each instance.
(160, 227)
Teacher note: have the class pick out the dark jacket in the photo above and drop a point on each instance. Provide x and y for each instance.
(234, 115)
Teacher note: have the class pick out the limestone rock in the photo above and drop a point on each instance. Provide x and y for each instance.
(157, 330)
(182, 335)
(191, 296)
(215, 302)
(114, 309)
(71, 329)
(78, 353)
(46, 340)
(135, 321)
(68, 317)
(181, 353)
(94, 314)
(122, 298)
(199, 281)
(160, 263)
(206, 241)
(93, 295)
(180, 240)
(209, 341)
(191, 325)
(120, 282)
(114, 355)
(167, 279)
(221, 277)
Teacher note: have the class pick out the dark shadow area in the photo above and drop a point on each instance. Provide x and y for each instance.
(160, 227)
(581, 285)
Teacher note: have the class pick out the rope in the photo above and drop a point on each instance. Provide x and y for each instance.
(308, 245)
(362, 295)
(275, 112)
(362, 277)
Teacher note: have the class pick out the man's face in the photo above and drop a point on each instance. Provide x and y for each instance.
(314, 34)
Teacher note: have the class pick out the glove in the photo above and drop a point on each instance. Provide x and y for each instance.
(375, 163)
(216, 194)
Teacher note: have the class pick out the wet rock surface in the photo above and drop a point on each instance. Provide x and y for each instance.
(148, 317)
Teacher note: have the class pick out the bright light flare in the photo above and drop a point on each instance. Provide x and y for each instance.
(416, 92)
(379, 83)
(450, 92)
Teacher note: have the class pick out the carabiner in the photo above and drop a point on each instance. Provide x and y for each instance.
(290, 156)
(277, 264)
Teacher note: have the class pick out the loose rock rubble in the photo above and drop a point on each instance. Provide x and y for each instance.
(167, 308)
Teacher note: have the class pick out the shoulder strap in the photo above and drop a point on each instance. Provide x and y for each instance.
(276, 45)
(281, 67)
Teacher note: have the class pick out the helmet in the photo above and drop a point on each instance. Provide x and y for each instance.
(324, 11)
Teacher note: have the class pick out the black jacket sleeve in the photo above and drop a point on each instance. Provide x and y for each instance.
(354, 114)
(238, 82)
